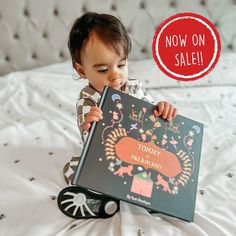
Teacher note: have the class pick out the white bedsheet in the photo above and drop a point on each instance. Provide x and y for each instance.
(38, 135)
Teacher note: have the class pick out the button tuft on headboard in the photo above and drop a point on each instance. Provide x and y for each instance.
(84, 8)
(142, 5)
(34, 56)
(55, 12)
(173, 3)
(143, 50)
(129, 30)
(61, 54)
(230, 46)
(16, 36)
(216, 24)
(203, 2)
(45, 35)
(113, 7)
(26, 12)
(7, 58)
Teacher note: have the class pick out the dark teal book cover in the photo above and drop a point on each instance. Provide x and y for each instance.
(135, 156)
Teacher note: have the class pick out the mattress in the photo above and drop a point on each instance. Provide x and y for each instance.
(38, 135)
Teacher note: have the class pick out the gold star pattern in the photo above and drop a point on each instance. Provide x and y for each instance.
(2, 216)
(32, 179)
(53, 197)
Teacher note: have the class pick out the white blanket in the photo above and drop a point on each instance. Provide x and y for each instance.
(38, 135)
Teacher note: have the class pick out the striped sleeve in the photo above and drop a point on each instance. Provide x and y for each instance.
(83, 107)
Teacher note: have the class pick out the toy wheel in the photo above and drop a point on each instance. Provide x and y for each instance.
(79, 203)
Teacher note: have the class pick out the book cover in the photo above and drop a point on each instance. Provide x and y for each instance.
(135, 156)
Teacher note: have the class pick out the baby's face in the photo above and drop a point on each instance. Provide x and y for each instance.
(102, 66)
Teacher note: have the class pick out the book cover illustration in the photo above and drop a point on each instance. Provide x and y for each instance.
(136, 156)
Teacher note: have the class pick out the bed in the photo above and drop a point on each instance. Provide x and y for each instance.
(38, 131)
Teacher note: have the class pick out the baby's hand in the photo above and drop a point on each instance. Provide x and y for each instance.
(94, 114)
(167, 110)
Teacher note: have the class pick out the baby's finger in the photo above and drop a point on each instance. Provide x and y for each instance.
(160, 106)
(97, 109)
(90, 119)
(95, 113)
(174, 114)
(166, 109)
(87, 126)
(170, 113)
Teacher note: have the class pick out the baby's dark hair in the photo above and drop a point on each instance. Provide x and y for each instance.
(108, 28)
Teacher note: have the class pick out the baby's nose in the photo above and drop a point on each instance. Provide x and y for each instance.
(113, 76)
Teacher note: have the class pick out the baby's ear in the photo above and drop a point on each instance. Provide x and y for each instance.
(80, 69)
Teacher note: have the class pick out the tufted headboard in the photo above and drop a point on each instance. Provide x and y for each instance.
(34, 32)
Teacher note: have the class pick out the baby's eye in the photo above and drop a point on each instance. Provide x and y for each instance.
(103, 71)
(121, 65)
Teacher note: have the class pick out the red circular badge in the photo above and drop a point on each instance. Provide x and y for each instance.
(186, 46)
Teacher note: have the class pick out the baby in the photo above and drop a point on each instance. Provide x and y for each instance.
(99, 46)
